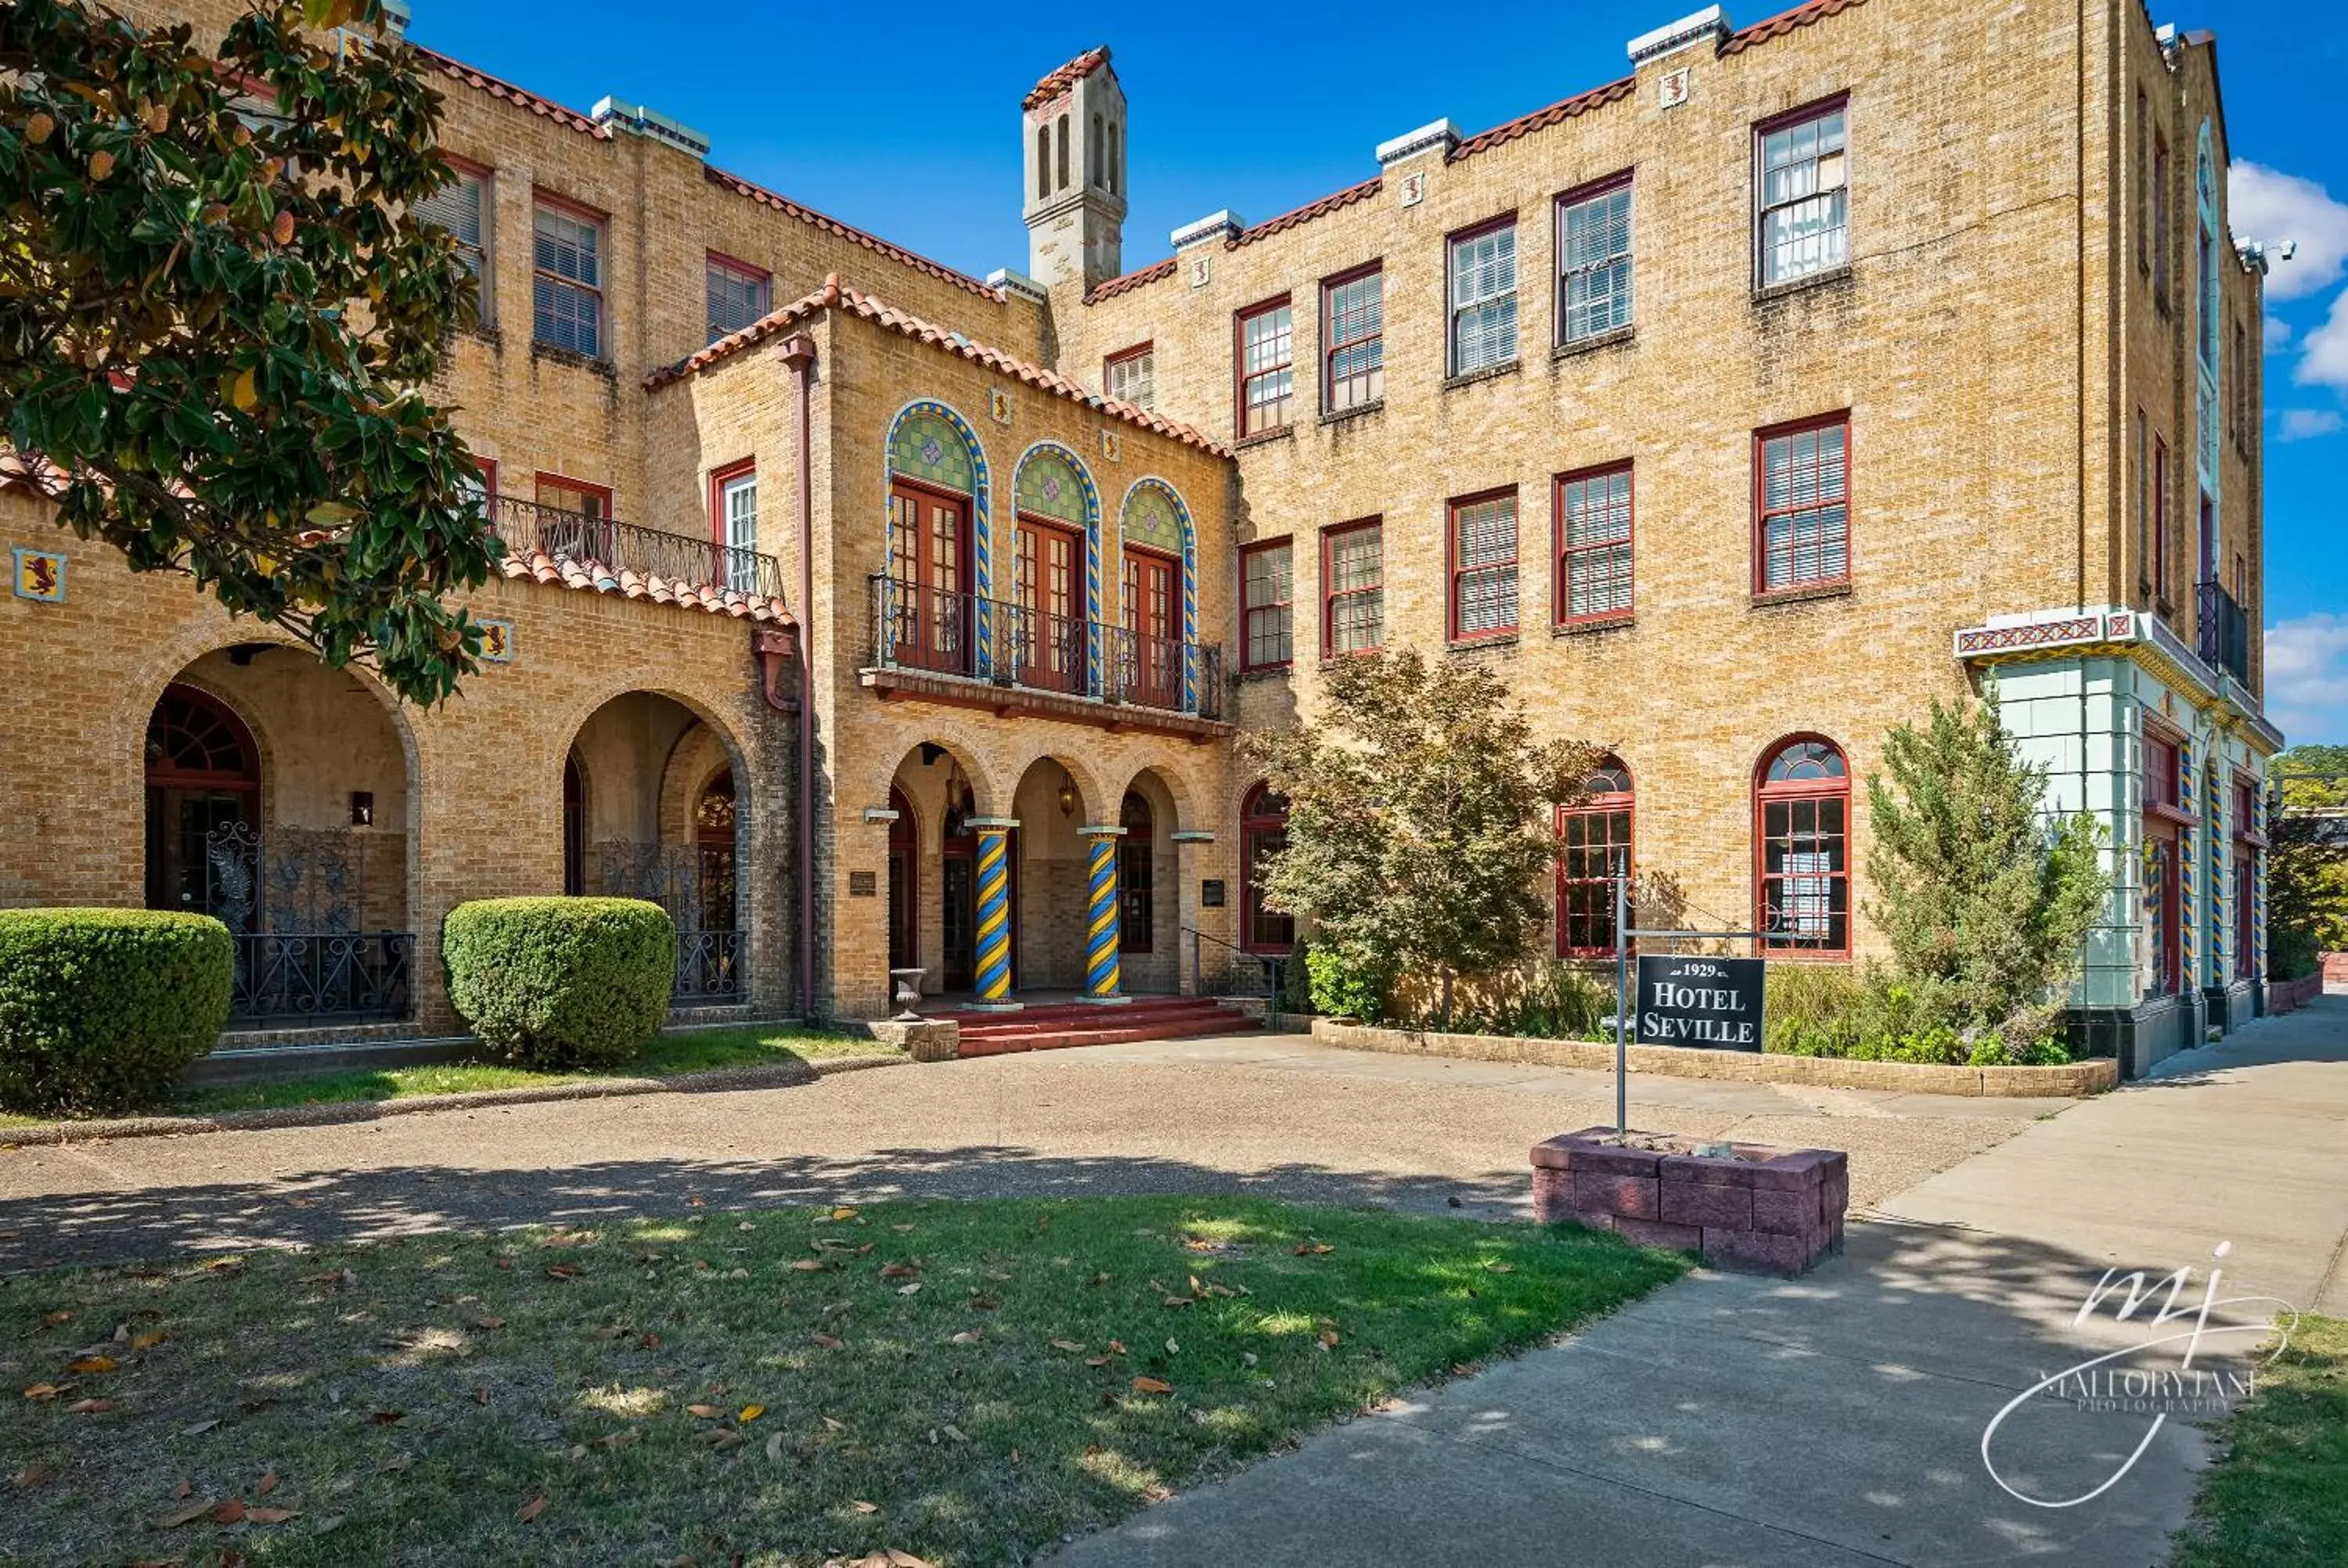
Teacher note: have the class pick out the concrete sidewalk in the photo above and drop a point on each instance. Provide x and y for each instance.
(1840, 1420)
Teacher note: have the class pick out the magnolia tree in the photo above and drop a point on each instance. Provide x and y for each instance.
(1419, 827)
(1982, 896)
(218, 310)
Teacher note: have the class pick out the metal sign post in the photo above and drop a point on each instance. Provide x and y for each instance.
(1625, 935)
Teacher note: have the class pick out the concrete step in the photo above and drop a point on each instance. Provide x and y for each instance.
(988, 1025)
(1187, 1024)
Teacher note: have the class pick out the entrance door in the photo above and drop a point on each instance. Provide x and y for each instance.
(930, 612)
(904, 887)
(1154, 667)
(203, 783)
(1050, 636)
(958, 917)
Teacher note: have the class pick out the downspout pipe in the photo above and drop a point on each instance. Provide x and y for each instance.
(799, 354)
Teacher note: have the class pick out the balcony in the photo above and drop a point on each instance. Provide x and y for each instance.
(2224, 631)
(1006, 655)
(625, 549)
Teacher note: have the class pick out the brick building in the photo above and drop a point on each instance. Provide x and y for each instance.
(1728, 410)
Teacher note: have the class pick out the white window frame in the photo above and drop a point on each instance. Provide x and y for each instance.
(1481, 269)
(1594, 267)
(738, 501)
(555, 277)
(1809, 178)
(759, 284)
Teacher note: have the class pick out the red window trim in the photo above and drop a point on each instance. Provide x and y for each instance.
(1452, 571)
(1329, 597)
(1239, 378)
(2178, 809)
(1474, 230)
(1251, 824)
(465, 166)
(718, 479)
(1761, 438)
(545, 477)
(1624, 801)
(1145, 346)
(540, 196)
(749, 270)
(1329, 344)
(1258, 547)
(2160, 517)
(1815, 109)
(487, 467)
(1796, 115)
(1557, 548)
(1765, 791)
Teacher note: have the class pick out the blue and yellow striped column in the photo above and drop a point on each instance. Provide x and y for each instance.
(1101, 930)
(994, 912)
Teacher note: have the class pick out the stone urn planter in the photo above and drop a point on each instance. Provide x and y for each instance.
(1741, 1205)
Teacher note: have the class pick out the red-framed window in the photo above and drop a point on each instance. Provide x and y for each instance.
(1266, 360)
(563, 494)
(739, 294)
(1801, 504)
(1263, 833)
(1593, 260)
(1481, 264)
(1267, 604)
(1130, 375)
(567, 275)
(1353, 587)
(1801, 833)
(733, 524)
(2163, 778)
(466, 209)
(485, 470)
(2167, 814)
(1594, 845)
(2160, 517)
(1593, 544)
(2247, 845)
(1136, 876)
(1353, 339)
(1802, 192)
(1482, 541)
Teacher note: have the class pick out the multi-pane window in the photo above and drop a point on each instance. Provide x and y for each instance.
(1801, 810)
(1263, 834)
(591, 501)
(1353, 336)
(1130, 378)
(1267, 599)
(738, 295)
(738, 526)
(2160, 517)
(463, 209)
(1593, 544)
(1803, 529)
(1805, 195)
(1484, 298)
(1484, 566)
(1353, 577)
(567, 282)
(1267, 367)
(1594, 849)
(2163, 820)
(1593, 263)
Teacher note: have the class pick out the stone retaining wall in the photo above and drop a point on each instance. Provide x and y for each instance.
(2288, 996)
(1772, 1211)
(2073, 1079)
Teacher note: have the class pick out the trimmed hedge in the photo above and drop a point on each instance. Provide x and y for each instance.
(100, 1008)
(561, 982)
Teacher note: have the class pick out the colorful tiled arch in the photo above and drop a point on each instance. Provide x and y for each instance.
(929, 441)
(1051, 481)
(1153, 511)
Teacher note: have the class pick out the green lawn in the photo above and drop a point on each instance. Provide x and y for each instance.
(687, 1051)
(2278, 1495)
(962, 1381)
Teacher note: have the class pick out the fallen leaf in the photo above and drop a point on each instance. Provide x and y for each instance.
(1328, 1338)
(229, 1512)
(902, 1230)
(953, 1433)
(43, 1391)
(843, 1212)
(1248, 1357)
(1178, 1301)
(1315, 1249)
(751, 1412)
(828, 1342)
(836, 1424)
(1100, 1278)
(1151, 1386)
(563, 1271)
(60, 1315)
(967, 1337)
(615, 1439)
(267, 1484)
(89, 1406)
(486, 1323)
(649, 1342)
(35, 1474)
(271, 1515)
(481, 1394)
(904, 1560)
(1117, 1347)
(569, 1238)
(913, 1289)
(1067, 1345)
(863, 1507)
(775, 1446)
(1096, 1360)
(199, 1429)
(706, 1412)
(900, 1270)
(531, 1510)
(225, 1266)
(387, 1418)
(91, 1363)
(1172, 1348)
(149, 1340)
(809, 1266)
(187, 1515)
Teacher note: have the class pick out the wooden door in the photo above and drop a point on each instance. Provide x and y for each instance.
(1153, 626)
(1047, 582)
(930, 611)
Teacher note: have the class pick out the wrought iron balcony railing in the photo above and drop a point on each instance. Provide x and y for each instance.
(629, 547)
(915, 627)
(2224, 631)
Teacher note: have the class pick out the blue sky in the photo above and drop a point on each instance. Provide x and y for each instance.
(907, 123)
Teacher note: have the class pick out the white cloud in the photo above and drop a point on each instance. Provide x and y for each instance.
(2323, 352)
(2271, 207)
(2307, 678)
(2278, 332)
(2300, 424)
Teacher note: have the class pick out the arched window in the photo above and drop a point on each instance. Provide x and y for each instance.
(1593, 846)
(1061, 138)
(1263, 833)
(1801, 830)
(1094, 157)
(203, 807)
(1115, 173)
(1136, 876)
(1043, 160)
(574, 828)
(904, 882)
(713, 840)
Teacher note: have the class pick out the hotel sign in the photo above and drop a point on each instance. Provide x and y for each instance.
(1710, 1002)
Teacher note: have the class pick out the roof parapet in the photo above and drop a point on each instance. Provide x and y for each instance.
(1439, 133)
(1709, 24)
(638, 120)
(1224, 225)
(1004, 281)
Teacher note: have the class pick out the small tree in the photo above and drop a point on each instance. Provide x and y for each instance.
(216, 314)
(1418, 820)
(1984, 898)
(2307, 859)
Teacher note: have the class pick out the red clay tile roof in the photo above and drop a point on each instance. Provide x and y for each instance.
(834, 296)
(871, 242)
(1542, 119)
(1777, 26)
(1134, 280)
(546, 107)
(1307, 213)
(30, 471)
(562, 570)
(1058, 82)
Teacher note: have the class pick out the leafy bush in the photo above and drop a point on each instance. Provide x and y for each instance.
(99, 1008)
(1348, 982)
(1296, 977)
(1869, 1015)
(561, 982)
(1562, 1001)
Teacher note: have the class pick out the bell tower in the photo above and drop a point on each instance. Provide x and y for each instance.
(1073, 125)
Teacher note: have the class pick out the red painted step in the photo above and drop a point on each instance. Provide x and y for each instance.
(1059, 1026)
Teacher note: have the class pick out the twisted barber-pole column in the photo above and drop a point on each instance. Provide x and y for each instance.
(1101, 931)
(995, 911)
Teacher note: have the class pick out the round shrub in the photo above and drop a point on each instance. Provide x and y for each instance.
(561, 982)
(100, 1008)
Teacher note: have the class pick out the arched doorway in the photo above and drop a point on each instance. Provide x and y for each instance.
(905, 883)
(1263, 833)
(204, 808)
(1136, 876)
(574, 828)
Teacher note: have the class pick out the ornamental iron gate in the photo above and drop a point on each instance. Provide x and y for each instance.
(295, 908)
(695, 883)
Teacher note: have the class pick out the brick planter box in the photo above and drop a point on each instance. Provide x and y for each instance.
(1759, 1209)
(2288, 995)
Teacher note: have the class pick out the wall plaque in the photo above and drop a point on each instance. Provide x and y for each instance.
(1210, 893)
(863, 885)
